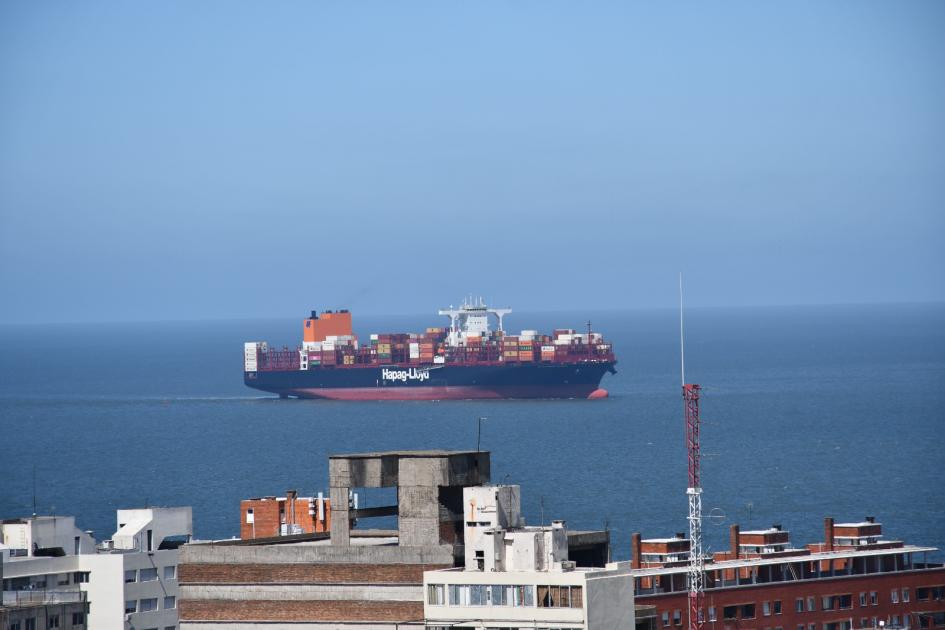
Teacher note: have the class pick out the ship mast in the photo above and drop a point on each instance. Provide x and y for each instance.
(696, 569)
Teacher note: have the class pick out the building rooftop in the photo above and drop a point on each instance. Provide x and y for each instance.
(712, 565)
(403, 454)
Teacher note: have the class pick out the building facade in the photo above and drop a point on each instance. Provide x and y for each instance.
(854, 579)
(44, 611)
(127, 582)
(516, 576)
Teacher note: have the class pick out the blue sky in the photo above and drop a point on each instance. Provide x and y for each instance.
(224, 159)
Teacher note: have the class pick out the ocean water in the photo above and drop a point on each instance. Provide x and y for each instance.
(808, 412)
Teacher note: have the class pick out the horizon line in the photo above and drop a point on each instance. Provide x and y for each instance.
(181, 320)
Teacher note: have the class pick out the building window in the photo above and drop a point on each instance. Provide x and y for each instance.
(873, 598)
(502, 594)
(78, 619)
(170, 572)
(862, 600)
(435, 594)
(63, 580)
(563, 596)
(524, 595)
(748, 611)
(148, 575)
(170, 602)
(14, 625)
(812, 626)
(777, 606)
(837, 602)
(894, 596)
(30, 623)
(665, 618)
(895, 620)
(478, 595)
(811, 604)
(766, 609)
(905, 595)
(131, 606)
(53, 621)
(730, 612)
(81, 577)
(170, 627)
(677, 617)
(131, 575)
(147, 605)
(712, 616)
(798, 605)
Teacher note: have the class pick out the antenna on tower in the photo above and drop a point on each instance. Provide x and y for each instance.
(682, 344)
(696, 571)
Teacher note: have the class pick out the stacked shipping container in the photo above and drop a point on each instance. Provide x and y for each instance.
(429, 348)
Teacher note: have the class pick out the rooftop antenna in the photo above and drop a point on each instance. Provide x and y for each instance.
(34, 489)
(696, 570)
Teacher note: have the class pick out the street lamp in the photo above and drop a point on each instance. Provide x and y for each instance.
(479, 433)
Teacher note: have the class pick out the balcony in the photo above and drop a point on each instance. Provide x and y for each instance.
(44, 596)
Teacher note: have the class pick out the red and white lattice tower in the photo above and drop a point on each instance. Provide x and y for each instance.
(696, 572)
(694, 491)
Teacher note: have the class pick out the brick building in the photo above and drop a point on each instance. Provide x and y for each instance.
(267, 517)
(854, 579)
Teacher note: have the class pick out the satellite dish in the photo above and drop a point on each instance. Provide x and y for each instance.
(716, 516)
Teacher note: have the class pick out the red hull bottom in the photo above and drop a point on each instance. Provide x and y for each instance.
(450, 393)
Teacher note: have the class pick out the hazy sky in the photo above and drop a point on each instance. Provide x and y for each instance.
(229, 159)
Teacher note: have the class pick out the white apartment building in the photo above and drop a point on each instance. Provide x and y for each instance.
(520, 577)
(129, 581)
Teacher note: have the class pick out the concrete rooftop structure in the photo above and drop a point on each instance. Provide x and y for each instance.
(429, 486)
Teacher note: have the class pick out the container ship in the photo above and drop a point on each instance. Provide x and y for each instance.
(467, 360)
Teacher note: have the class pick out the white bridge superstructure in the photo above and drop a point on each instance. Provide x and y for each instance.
(471, 319)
